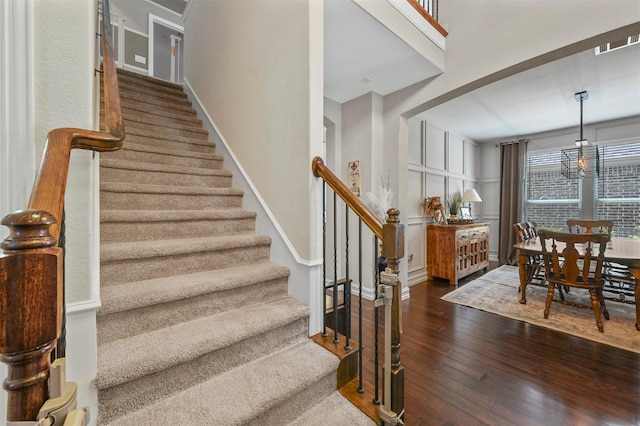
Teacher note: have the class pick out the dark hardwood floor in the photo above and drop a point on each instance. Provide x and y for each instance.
(468, 367)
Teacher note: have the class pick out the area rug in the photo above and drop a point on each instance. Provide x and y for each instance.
(497, 292)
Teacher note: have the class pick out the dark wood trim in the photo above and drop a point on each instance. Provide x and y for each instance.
(359, 208)
(428, 17)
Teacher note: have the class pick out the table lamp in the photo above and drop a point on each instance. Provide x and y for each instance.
(470, 196)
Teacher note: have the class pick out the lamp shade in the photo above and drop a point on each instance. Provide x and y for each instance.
(471, 196)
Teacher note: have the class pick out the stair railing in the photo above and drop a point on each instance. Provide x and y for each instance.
(31, 264)
(388, 288)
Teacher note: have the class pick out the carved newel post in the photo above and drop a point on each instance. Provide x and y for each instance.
(393, 250)
(31, 309)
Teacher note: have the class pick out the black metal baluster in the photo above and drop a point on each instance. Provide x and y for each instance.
(347, 285)
(376, 361)
(360, 346)
(324, 258)
(335, 269)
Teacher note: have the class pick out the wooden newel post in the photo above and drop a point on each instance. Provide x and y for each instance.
(31, 309)
(393, 250)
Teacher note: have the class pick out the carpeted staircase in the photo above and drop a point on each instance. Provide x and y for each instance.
(196, 326)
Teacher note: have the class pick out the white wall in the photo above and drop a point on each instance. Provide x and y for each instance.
(56, 55)
(440, 163)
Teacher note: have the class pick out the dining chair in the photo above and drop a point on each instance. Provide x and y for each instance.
(618, 278)
(575, 261)
(590, 226)
(534, 267)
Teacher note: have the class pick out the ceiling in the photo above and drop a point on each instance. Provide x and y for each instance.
(361, 55)
(541, 99)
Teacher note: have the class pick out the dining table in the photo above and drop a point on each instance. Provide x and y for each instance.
(625, 251)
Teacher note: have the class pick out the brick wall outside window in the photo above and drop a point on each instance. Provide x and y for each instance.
(552, 198)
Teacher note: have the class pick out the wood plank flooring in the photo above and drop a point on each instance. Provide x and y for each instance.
(468, 367)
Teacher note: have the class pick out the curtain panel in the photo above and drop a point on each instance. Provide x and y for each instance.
(512, 160)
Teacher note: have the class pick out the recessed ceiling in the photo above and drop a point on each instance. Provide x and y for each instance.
(542, 99)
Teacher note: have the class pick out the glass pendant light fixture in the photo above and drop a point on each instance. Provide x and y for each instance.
(583, 161)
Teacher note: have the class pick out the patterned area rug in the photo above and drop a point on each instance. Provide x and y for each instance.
(497, 292)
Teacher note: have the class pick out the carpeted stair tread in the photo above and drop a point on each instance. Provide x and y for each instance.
(134, 295)
(165, 168)
(339, 408)
(148, 120)
(110, 252)
(155, 115)
(168, 129)
(140, 147)
(159, 105)
(144, 133)
(167, 189)
(127, 83)
(127, 359)
(146, 80)
(242, 395)
(151, 99)
(163, 215)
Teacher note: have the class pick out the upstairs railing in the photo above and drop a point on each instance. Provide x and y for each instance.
(387, 290)
(32, 265)
(429, 11)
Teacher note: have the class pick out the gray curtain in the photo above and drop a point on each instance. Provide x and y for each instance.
(512, 160)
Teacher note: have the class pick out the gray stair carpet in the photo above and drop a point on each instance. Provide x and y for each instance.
(196, 327)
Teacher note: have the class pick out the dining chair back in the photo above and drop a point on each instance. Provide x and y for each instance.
(618, 278)
(575, 261)
(534, 267)
(590, 226)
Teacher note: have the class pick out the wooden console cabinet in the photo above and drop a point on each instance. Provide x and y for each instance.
(455, 251)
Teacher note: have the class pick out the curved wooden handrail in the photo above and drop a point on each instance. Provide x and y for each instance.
(360, 209)
(31, 259)
(50, 183)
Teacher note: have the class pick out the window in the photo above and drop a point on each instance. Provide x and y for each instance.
(550, 198)
(618, 189)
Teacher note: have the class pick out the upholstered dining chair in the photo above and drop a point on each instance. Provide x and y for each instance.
(618, 278)
(575, 260)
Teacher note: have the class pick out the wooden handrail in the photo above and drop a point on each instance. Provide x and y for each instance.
(391, 235)
(31, 264)
(360, 209)
(50, 183)
(435, 24)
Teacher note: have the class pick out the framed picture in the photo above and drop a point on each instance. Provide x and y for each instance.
(465, 213)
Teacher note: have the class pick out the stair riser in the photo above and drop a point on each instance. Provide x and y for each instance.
(160, 94)
(193, 145)
(128, 270)
(155, 105)
(161, 119)
(130, 396)
(137, 321)
(195, 133)
(168, 159)
(183, 112)
(143, 201)
(167, 101)
(125, 82)
(291, 408)
(161, 178)
(140, 231)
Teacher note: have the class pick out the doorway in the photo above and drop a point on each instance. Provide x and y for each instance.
(166, 47)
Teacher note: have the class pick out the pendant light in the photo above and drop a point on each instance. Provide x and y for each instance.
(583, 161)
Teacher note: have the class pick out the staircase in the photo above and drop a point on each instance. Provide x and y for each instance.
(196, 327)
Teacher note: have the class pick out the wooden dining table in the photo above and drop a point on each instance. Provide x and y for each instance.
(625, 251)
